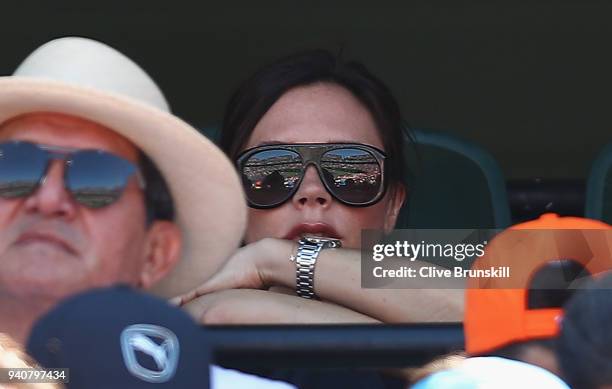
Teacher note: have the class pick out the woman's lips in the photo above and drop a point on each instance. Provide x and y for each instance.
(30, 237)
(320, 229)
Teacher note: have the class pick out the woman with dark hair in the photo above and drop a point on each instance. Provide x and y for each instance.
(319, 145)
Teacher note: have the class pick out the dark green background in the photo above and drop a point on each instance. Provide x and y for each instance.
(528, 80)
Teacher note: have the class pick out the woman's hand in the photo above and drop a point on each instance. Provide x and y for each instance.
(265, 265)
(258, 265)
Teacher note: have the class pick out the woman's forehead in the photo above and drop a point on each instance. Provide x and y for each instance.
(320, 113)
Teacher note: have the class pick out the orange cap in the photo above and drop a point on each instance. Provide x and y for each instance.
(496, 310)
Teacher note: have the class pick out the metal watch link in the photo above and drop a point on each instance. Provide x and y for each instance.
(308, 250)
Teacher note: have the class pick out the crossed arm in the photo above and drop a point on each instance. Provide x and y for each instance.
(249, 288)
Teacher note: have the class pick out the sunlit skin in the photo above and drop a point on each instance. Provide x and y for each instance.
(51, 246)
(320, 113)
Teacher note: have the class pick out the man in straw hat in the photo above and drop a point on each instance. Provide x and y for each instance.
(100, 184)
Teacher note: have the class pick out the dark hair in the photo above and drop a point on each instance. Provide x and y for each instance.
(584, 347)
(158, 200)
(257, 94)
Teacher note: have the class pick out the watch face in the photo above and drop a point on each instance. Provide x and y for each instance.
(327, 242)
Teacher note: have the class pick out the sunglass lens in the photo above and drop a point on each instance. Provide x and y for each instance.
(96, 178)
(269, 177)
(353, 175)
(22, 165)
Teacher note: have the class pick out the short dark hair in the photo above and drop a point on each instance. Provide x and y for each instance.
(584, 347)
(258, 93)
(159, 204)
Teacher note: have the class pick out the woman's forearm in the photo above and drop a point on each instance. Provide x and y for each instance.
(338, 280)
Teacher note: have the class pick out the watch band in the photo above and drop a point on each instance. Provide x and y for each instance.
(305, 261)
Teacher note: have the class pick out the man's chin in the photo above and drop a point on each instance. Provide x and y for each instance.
(43, 250)
(41, 273)
(40, 289)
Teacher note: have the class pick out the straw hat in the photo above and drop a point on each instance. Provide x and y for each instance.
(88, 79)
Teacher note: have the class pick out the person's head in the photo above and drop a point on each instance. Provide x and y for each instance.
(550, 287)
(315, 97)
(518, 317)
(127, 354)
(52, 244)
(584, 347)
(100, 184)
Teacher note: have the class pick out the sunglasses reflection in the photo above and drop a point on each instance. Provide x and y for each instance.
(271, 176)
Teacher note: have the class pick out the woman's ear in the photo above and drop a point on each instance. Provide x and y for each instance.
(397, 196)
(163, 252)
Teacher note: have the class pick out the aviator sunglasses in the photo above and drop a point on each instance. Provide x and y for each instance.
(352, 173)
(94, 178)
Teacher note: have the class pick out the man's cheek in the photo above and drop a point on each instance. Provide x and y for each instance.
(5, 240)
(8, 213)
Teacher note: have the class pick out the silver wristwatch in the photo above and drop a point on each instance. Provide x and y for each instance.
(308, 250)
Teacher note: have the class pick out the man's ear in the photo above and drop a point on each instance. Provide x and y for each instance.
(397, 195)
(163, 251)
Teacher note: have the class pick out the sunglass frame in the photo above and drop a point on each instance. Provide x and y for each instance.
(61, 153)
(311, 154)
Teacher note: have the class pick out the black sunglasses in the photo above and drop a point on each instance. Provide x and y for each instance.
(352, 173)
(94, 178)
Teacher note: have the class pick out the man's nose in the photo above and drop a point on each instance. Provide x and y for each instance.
(51, 197)
(312, 191)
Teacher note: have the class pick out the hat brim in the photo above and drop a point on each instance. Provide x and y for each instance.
(206, 190)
